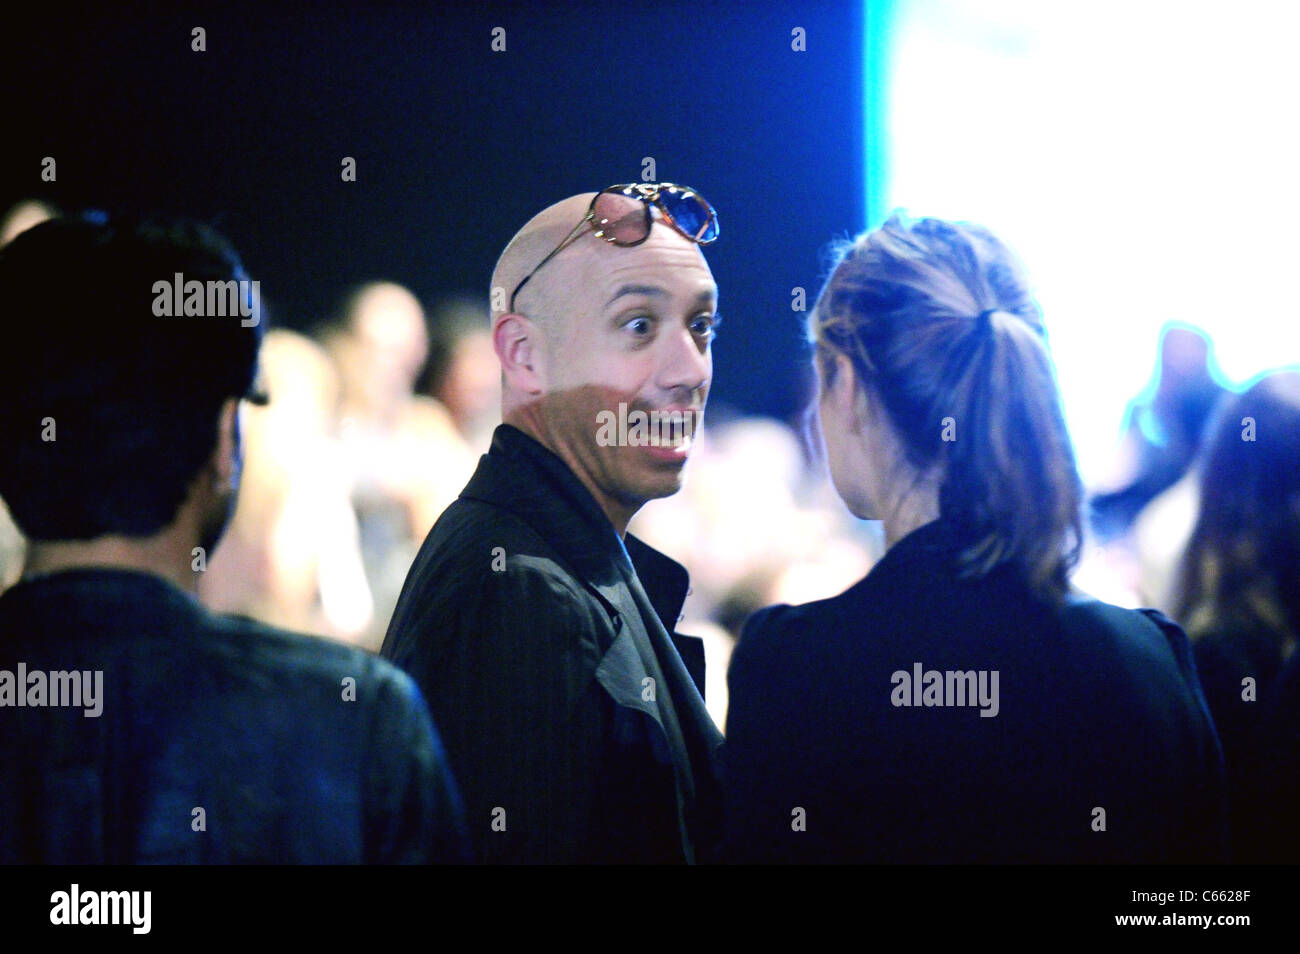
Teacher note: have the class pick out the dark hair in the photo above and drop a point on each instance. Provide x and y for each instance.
(450, 321)
(133, 398)
(1241, 568)
(938, 321)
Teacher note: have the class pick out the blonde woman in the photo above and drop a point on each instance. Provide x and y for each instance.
(960, 703)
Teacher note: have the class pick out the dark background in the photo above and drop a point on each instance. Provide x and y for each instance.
(456, 146)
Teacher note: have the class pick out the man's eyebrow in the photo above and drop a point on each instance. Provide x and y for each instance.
(635, 290)
(703, 298)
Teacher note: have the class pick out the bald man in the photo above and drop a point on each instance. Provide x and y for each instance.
(541, 632)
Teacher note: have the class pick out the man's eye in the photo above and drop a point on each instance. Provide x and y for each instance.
(705, 325)
(640, 326)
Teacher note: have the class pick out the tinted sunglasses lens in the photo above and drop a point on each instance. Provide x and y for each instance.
(692, 214)
(621, 219)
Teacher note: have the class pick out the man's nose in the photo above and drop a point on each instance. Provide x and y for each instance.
(685, 365)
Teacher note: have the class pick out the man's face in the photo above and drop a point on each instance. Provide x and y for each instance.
(629, 326)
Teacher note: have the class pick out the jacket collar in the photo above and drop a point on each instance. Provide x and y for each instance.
(521, 475)
(929, 552)
(640, 588)
(937, 540)
(90, 589)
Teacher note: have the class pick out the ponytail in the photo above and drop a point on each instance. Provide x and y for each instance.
(938, 321)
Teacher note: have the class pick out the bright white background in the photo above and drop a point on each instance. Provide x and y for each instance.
(1142, 157)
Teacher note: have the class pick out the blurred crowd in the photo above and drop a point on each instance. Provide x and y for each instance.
(378, 416)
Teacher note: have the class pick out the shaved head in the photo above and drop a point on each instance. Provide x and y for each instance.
(537, 239)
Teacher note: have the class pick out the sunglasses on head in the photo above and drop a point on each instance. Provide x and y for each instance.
(623, 215)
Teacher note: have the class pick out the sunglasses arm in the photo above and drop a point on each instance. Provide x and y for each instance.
(567, 240)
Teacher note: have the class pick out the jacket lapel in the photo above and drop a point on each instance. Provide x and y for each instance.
(526, 478)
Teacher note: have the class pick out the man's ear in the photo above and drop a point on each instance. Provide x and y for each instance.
(225, 461)
(518, 345)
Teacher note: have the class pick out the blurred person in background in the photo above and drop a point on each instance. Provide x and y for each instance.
(462, 372)
(13, 550)
(1156, 542)
(1270, 827)
(1141, 514)
(291, 556)
(960, 703)
(20, 217)
(407, 460)
(1163, 430)
(1239, 594)
(179, 736)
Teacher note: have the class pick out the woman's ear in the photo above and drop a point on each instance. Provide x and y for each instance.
(842, 380)
(849, 394)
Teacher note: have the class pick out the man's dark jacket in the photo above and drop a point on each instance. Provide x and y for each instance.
(295, 749)
(544, 645)
(1099, 711)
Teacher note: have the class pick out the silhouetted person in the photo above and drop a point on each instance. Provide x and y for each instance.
(22, 216)
(1270, 789)
(134, 725)
(1164, 430)
(1240, 601)
(542, 632)
(959, 703)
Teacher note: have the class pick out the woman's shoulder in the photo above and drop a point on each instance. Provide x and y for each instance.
(783, 621)
(1142, 630)
(1141, 646)
(1083, 611)
(787, 642)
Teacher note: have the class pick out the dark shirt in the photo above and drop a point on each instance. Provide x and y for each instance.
(1271, 795)
(1259, 725)
(218, 740)
(545, 644)
(1224, 660)
(1097, 708)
